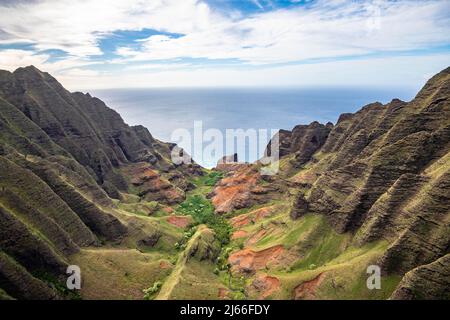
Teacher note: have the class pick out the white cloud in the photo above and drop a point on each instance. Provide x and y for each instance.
(325, 30)
(322, 30)
(76, 26)
(12, 59)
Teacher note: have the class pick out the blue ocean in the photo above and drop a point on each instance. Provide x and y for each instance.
(164, 110)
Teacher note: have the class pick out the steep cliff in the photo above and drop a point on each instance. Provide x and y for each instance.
(66, 159)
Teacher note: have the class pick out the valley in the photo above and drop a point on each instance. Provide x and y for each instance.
(78, 186)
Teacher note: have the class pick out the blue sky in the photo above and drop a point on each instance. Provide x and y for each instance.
(154, 43)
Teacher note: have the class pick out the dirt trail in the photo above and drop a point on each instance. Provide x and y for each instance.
(172, 280)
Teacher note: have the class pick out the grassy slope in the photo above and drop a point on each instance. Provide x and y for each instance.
(119, 273)
(191, 278)
(316, 248)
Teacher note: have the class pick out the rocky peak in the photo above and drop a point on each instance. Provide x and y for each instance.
(303, 141)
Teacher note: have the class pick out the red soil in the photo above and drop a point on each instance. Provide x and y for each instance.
(164, 265)
(223, 293)
(239, 234)
(152, 184)
(305, 177)
(168, 210)
(248, 261)
(234, 191)
(307, 289)
(179, 221)
(256, 237)
(256, 215)
(265, 285)
(141, 172)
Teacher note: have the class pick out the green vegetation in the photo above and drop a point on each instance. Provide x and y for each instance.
(384, 179)
(202, 212)
(186, 236)
(143, 209)
(4, 295)
(210, 179)
(58, 284)
(120, 273)
(150, 292)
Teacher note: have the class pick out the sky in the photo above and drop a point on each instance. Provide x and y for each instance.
(100, 44)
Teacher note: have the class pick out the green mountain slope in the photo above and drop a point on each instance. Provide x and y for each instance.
(79, 186)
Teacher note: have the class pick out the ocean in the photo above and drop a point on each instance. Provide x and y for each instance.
(164, 110)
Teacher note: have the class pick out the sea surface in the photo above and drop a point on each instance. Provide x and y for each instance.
(164, 110)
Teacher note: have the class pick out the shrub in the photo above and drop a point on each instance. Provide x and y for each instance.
(202, 211)
(149, 292)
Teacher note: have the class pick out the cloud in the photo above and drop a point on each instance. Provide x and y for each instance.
(302, 32)
(12, 59)
(328, 29)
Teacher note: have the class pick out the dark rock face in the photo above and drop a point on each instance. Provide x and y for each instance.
(383, 173)
(431, 281)
(375, 147)
(303, 141)
(306, 140)
(21, 284)
(95, 135)
(27, 249)
(300, 207)
(150, 240)
(284, 143)
(388, 178)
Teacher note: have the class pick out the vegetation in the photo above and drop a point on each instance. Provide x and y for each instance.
(202, 211)
(150, 292)
(58, 284)
(209, 179)
(186, 236)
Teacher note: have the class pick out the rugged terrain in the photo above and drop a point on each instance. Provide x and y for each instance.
(79, 186)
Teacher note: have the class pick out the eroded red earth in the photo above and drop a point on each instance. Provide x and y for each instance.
(249, 261)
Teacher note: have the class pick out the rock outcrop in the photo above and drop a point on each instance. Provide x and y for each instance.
(431, 281)
(303, 141)
(243, 188)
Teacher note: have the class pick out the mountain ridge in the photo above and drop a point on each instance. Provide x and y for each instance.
(78, 185)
